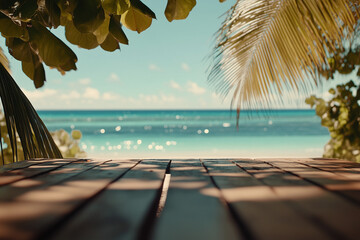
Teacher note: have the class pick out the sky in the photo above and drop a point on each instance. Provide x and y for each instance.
(164, 67)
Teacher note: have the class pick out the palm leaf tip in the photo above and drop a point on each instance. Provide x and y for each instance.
(23, 122)
(4, 61)
(268, 47)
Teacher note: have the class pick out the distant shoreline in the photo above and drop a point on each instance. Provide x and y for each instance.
(193, 133)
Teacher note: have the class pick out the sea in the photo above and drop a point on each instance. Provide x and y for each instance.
(124, 134)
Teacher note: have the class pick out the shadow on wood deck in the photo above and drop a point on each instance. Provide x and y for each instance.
(180, 199)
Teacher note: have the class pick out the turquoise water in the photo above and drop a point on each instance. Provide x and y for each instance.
(198, 133)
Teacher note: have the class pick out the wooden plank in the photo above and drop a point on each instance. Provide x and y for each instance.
(262, 212)
(14, 190)
(334, 161)
(190, 211)
(23, 164)
(31, 215)
(344, 168)
(340, 167)
(347, 187)
(32, 170)
(120, 211)
(334, 213)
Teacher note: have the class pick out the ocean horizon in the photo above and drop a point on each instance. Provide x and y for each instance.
(193, 133)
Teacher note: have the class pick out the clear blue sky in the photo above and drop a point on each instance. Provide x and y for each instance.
(164, 67)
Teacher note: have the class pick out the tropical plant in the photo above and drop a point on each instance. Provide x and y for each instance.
(341, 115)
(6, 151)
(268, 47)
(26, 25)
(23, 123)
(69, 144)
(88, 24)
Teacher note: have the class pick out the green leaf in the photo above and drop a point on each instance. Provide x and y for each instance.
(88, 15)
(311, 100)
(326, 122)
(344, 115)
(178, 9)
(34, 69)
(357, 158)
(10, 29)
(117, 32)
(110, 44)
(142, 8)
(331, 62)
(135, 20)
(48, 13)
(320, 108)
(19, 49)
(84, 40)
(66, 8)
(52, 50)
(76, 134)
(116, 7)
(25, 9)
(102, 32)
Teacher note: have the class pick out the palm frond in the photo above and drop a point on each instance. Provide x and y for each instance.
(268, 47)
(23, 122)
(4, 61)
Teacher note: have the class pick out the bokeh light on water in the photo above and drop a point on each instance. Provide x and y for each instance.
(176, 134)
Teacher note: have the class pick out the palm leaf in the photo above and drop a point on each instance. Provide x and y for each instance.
(22, 121)
(4, 61)
(268, 47)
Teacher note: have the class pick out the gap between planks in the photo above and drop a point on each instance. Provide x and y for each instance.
(345, 187)
(322, 208)
(125, 209)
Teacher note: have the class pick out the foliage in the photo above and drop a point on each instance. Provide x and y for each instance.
(23, 123)
(6, 150)
(266, 47)
(88, 23)
(4, 61)
(341, 115)
(69, 144)
(26, 25)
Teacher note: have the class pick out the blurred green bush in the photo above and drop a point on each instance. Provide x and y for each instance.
(341, 115)
(69, 144)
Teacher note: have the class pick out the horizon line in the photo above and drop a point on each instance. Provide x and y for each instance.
(182, 109)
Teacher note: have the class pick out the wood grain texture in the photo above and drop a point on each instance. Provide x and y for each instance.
(342, 185)
(194, 209)
(13, 174)
(278, 198)
(324, 207)
(24, 164)
(120, 211)
(32, 214)
(15, 190)
(266, 215)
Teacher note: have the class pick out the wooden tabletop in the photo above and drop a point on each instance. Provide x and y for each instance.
(180, 199)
